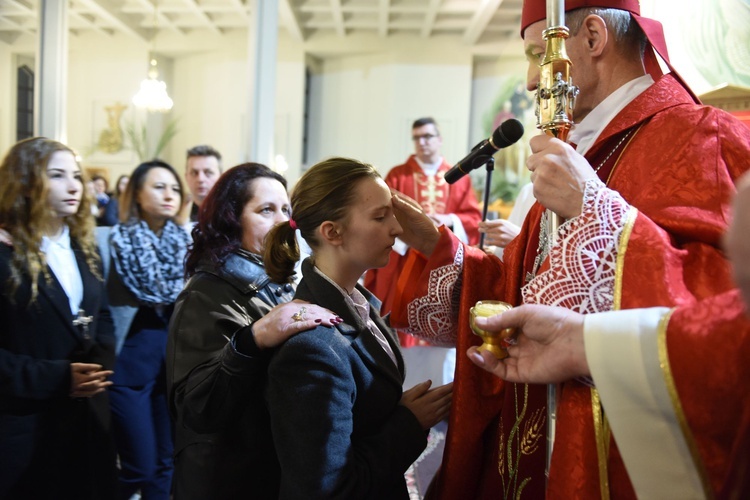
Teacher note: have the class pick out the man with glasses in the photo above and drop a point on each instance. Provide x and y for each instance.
(454, 205)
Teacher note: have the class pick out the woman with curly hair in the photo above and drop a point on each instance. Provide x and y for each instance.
(148, 254)
(57, 343)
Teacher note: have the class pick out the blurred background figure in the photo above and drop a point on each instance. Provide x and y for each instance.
(148, 251)
(202, 170)
(111, 214)
(500, 232)
(101, 187)
(56, 343)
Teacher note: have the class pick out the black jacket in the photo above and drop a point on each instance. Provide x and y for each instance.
(333, 396)
(223, 447)
(54, 445)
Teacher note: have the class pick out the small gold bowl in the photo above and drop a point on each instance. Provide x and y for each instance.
(492, 341)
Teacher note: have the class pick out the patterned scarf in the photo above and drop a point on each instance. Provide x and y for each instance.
(150, 266)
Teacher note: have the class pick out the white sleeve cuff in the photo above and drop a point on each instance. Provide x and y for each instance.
(458, 228)
(623, 355)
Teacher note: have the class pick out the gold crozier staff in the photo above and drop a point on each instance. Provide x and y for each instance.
(555, 98)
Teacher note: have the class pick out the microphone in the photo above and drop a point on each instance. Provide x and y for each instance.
(506, 134)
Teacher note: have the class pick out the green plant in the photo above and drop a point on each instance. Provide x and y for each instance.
(137, 134)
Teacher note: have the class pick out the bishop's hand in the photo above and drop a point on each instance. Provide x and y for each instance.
(420, 231)
(559, 175)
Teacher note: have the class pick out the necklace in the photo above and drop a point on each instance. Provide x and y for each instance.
(617, 146)
(545, 242)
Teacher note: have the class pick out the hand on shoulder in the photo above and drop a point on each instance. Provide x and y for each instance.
(287, 320)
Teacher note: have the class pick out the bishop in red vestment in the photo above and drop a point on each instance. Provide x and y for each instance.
(681, 428)
(657, 183)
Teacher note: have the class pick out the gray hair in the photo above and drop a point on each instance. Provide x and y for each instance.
(625, 31)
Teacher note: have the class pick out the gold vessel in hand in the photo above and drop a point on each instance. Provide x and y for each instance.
(492, 341)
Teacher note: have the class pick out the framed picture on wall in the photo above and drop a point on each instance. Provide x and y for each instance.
(110, 145)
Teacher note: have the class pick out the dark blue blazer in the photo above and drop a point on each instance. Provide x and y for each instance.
(43, 431)
(333, 396)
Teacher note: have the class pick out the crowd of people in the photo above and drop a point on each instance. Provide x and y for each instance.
(187, 349)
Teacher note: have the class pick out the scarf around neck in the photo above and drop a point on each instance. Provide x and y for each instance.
(150, 266)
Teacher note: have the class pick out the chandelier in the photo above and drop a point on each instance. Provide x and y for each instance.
(152, 94)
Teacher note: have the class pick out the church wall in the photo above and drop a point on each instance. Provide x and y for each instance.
(104, 72)
(7, 98)
(363, 105)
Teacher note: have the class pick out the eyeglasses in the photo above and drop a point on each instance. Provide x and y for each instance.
(423, 137)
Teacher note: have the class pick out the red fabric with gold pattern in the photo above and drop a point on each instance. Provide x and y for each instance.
(676, 238)
(678, 170)
(708, 344)
(440, 198)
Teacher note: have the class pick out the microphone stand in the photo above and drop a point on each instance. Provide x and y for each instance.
(490, 166)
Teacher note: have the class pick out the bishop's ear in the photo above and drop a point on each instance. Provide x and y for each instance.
(595, 30)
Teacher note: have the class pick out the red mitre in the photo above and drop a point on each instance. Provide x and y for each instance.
(536, 10)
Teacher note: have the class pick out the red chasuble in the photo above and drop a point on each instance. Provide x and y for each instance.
(651, 239)
(435, 196)
(705, 357)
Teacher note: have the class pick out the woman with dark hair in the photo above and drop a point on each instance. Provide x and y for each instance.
(342, 427)
(56, 342)
(148, 251)
(223, 447)
(112, 209)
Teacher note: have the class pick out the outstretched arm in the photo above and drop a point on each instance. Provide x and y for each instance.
(548, 347)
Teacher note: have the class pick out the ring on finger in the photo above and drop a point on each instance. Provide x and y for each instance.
(299, 315)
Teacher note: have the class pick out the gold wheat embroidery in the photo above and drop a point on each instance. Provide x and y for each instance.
(500, 452)
(516, 445)
(532, 432)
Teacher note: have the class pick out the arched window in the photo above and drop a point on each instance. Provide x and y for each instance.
(25, 103)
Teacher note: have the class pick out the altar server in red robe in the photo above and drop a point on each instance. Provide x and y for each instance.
(455, 206)
(644, 199)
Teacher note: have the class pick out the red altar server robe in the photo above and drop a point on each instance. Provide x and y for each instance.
(652, 238)
(435, 196)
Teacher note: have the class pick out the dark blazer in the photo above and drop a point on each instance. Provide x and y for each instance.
(52, 444)
(223, 446)
(333, 396)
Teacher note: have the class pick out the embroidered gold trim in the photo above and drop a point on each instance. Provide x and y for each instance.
(602, 431)
(601, 434)
(622, 248)
(666, 370)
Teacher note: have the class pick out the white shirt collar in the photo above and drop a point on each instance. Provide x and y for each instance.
(63, 241)
(62, 262)
(429, 168)
(584, 134)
